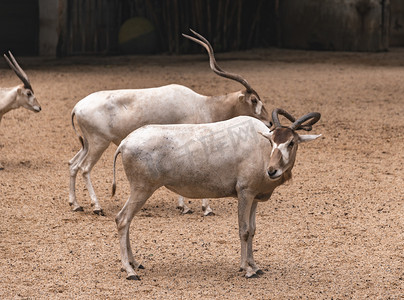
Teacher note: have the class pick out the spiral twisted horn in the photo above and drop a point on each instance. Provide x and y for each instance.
(280, 111)
(215, 67)
(312, 117)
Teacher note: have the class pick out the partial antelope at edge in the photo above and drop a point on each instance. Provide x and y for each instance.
(18, 96)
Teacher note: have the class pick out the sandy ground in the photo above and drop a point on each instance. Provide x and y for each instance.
(335, 231)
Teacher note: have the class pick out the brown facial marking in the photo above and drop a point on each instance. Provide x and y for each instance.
(276, 160)
(282, 135)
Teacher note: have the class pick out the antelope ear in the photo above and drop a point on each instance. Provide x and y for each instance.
(19, 90)
(266, 135)
(308, 137)
(241, 97)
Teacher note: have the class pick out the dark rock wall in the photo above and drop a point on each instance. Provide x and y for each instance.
(397, 23)
(350, 25)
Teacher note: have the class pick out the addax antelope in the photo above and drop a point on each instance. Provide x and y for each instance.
(109, 116)
(240, 157)
(19, 96)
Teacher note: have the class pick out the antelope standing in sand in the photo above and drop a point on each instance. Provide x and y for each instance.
(240, 157)
(109, 116)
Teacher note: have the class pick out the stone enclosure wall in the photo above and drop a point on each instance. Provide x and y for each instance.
(345, 25)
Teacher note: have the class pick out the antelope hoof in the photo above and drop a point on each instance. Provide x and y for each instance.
(133, 277)
(259, 272)
(211, 213)
(254, 275)
(78, 208)
(207, 211)
(99, 212)
(133, 266)
(187, 211)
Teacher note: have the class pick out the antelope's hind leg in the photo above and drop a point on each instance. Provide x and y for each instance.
(95, 150)
(136, 200)
(74, 165)
(207, 210)
(182, 206)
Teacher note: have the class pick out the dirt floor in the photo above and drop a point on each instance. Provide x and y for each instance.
(335, 231)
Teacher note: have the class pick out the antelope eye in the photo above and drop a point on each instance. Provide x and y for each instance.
(291, 144)
(29, 94)
(254, 101)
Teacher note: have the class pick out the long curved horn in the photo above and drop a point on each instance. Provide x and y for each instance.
(312, 117)
(215, 67)
(280, 111)
(207, 44)
(18, 70)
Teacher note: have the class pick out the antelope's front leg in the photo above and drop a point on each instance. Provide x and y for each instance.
(74, 165)
(250, 256)
(245, 203)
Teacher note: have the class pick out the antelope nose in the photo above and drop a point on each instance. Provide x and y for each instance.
(272, 172)
(38, 109)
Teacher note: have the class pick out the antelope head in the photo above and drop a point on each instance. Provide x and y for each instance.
(250, 103)
(25, 94)
(285, 141)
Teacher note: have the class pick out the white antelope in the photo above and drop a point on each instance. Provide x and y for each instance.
(19, 96)
(109, 116)
(239, 158)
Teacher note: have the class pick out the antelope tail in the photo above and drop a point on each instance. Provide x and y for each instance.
(114, 178)
(74, 128)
